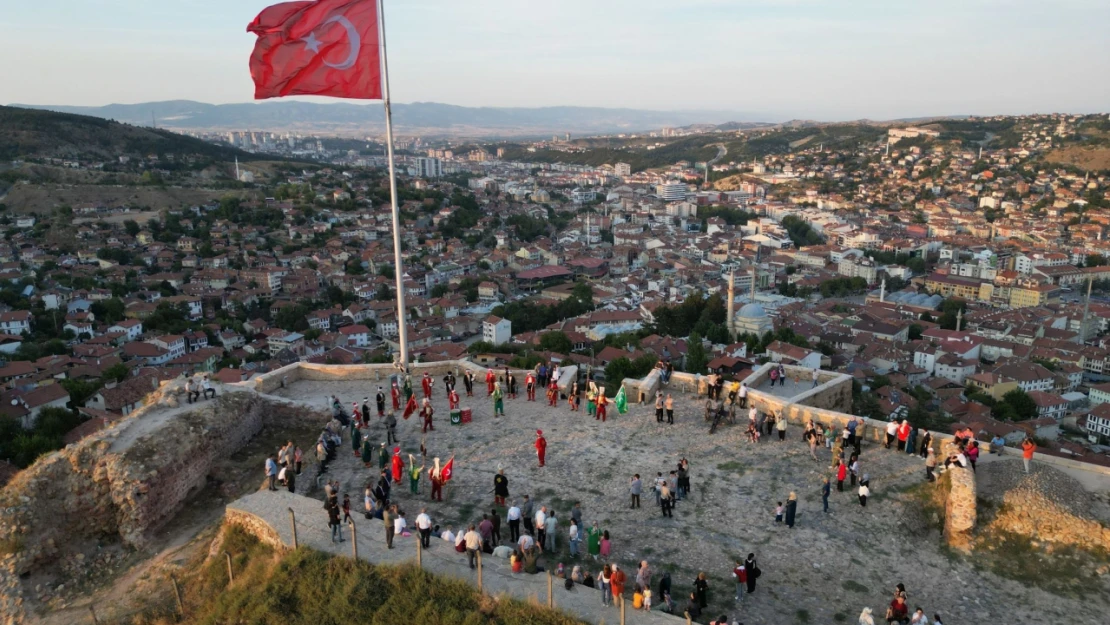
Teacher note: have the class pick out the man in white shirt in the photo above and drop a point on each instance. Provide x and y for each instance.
(541, 527)
(814, 378)
(424, 524)
(208, 388)
(891, 432)
(513, 516)
(473, 544)
(743, 395)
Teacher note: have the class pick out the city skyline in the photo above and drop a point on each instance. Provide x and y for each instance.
(770, 60)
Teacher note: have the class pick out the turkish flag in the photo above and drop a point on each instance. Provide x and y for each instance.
(327, 47)
(448, 470)
(410, 407)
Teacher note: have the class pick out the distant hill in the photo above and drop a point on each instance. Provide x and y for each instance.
(30, 133)
(427, 116)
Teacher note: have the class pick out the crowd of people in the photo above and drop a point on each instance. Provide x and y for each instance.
(529, 535)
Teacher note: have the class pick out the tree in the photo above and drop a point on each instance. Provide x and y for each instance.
(383, 294)
(439, 290)
(1023, 405)
(915, 332)
(131, 227)
(916, 264)
(556, 342)
(696, 358)
(109, 310)
(117, 372)
(620, 368)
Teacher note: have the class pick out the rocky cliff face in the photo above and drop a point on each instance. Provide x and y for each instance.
(124, 482)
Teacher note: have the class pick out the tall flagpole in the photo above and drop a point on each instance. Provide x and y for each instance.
(402, 323)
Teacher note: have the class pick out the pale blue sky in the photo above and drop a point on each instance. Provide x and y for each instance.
(832, 59)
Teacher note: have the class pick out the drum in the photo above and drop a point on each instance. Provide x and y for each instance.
(466, 414)
(455, 417)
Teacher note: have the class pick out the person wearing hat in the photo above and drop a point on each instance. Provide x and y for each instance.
(435, 476)
(530, 385)
(498, 400)
(541, 446)
(383, 457)
(414, 475)
(366, 407)
(426, 384)
(367, 452)
(398, 465)
(391, 429)
(395, 393)
(500, 488)
(380, 401)
(490, 379)
(453, 399)
(427, 411)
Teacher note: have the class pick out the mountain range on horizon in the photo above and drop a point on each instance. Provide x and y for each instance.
(426, 117)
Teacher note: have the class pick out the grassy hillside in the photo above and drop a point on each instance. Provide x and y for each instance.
(30, 133)
(307, 587)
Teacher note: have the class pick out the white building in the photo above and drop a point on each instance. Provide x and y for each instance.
(15, 322)
(623, 169)
(429, 167)
(671, 191)
(496, 330)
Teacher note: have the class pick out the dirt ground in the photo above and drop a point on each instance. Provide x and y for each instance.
(42, 198)
(824, 570)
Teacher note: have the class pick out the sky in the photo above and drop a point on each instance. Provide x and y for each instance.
(764, 59)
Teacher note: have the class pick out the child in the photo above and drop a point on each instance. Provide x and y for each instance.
(346, 508)
(605, 544)
(778, 513)
(647, 600)
(638, 598)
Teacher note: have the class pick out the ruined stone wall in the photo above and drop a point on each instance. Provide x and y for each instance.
(960, 513)
(1028, 511)
(256, 526)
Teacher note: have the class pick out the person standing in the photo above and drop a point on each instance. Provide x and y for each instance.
(541, 446)
(903, 433)
(601, 403)
(527, 515)
(864, 493)
(453, 400)
(593, 540)
(616, 583)
(388, 516)
(491, 379)
(500, 488)
(683, 485)
(604, 581)
(332, 508)
(414, 475)
(664, 496)
(780, 425)
(473, 543)
(530, 385)
(426, 411)
(669, 405)
(815, 378)
(741, 575)
(551, 528)
(424, 526)
(659, 406)
(841, 473)
(791, 509)
(391, 429)
(298, 458)
(495, 519)
(513, 516)
(426, 385)
(753, 571)
(498, 400)
(572, 396)
(395, 394)
(511, 382)
(591, 398)
(635, 488)
(573, 538)
(540, 522)
(468, 382)
(930, 465)
(891, 433)
(1027, 449)
(272, 472)
(825, 489)
(290, 479)
(701, 590)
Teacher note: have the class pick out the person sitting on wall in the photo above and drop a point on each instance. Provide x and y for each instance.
(997, 444)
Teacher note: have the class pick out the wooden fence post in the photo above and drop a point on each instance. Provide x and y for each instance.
(293, 523)
(95, 620)
(550, 596)
(419, 551)
(622, 609)
(230, 573)
(354, 539)
(177, 595)
(479, 570)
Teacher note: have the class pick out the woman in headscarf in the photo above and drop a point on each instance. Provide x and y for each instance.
(791, 508)
(593, 540)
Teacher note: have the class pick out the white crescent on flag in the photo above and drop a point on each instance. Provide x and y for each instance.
(353, 41)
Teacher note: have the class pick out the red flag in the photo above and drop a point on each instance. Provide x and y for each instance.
(410, 406)
(327, 47)
(448, 469)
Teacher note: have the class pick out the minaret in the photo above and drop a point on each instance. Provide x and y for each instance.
(236, 168)
(731, 301)
(587, 229)
(959, 318)
(882, 292)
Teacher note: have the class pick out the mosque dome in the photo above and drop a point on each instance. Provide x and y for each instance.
(752, 311)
